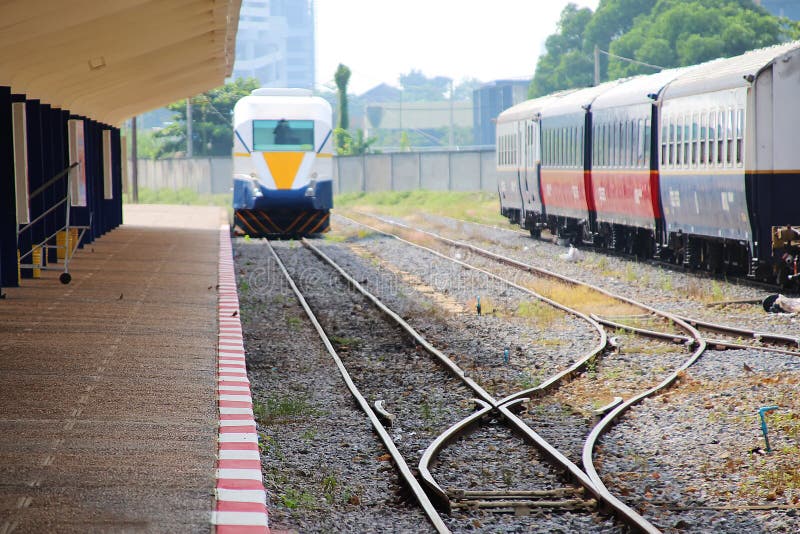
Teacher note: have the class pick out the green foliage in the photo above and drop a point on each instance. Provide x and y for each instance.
(212, 132)
(417, 87)
(565, 64)
(686, 32)
(342, 78)
(347, 145)
(479, 207)
(668, 33)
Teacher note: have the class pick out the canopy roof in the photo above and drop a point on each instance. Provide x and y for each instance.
(110, 60)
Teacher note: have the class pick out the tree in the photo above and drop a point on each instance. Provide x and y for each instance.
(667, 33)
(687, 32)
(212, 129)
(417, 87)
(342, 78)
(565, 64)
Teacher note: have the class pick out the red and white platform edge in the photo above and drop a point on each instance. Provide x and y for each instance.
(241, 502)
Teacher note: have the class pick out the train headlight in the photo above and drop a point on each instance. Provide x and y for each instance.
(311, 190)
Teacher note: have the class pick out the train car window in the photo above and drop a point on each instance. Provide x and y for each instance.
(579, 139)
(687, 140)
(678, 140)
(646, 144)
(712, 137)
(701, 139)
(664, 142)
(739, 136)
(283, 135)
(694, 137)
(720, 136)
(729, 126)
(671, 142)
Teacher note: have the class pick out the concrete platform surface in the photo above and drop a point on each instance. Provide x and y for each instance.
(108, 413)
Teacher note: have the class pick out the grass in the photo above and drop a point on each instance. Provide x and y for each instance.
(542, 313)
(481, 207)
(183, 196)
(282, 409)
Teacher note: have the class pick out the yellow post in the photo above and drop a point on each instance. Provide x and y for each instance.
(62, 242)
(37, 261)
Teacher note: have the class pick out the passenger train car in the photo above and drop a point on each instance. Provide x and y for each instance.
(697, 165)
(282, 150)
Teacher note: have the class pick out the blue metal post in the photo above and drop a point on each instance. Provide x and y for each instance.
(761, 412)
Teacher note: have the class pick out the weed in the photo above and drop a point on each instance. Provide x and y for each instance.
(293, 499)
(309, 435)
(244, 287)
(528, 381)
(345, 343)
(427, 413)
(283, 409)
(591, 367)
(543, 314)
(666, 282)
(329, 484)
(294, 322)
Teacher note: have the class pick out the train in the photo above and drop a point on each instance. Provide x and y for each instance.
(698, 166)
(282, 164)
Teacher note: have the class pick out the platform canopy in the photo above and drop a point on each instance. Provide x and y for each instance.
(109, 60)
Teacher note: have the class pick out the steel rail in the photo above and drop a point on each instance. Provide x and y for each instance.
(622, 510)
(605, 423)
(432, 451)
(769, 337)
(628, 515)
(405, 471)
(448, 363)
(554, 380)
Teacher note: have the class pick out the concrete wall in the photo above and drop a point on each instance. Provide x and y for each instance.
(403, 171)
(204, 175)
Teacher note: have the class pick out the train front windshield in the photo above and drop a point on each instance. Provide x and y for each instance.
(283, 135)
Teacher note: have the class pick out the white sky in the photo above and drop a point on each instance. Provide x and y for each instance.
(381, 39)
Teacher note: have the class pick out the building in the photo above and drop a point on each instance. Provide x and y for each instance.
(275, 43)
(489, 101)
(781, 8)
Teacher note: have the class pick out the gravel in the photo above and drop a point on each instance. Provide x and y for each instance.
(685, 459)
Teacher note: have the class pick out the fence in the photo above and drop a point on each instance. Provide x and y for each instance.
(203, 175)
(472, 170)
(469, 170)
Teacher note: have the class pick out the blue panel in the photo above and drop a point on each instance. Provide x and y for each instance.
(713, 205)
(774, 201)
(8, 209)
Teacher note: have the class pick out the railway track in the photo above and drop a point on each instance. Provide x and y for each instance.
(386, 408)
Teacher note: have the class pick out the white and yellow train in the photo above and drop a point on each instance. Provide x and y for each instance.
(282, 150)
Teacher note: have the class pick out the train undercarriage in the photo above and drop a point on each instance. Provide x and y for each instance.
(700, 253)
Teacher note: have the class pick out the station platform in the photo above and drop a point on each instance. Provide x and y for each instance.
(124, 401)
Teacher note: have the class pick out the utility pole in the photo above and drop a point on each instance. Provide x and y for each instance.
(596, 65)
(189, 151)
(452, 134)
(134, 163)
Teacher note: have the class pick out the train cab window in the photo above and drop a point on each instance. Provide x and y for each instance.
(283, 135)
(739, 136)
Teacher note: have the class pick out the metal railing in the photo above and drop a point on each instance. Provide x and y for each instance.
(70, 244)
